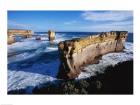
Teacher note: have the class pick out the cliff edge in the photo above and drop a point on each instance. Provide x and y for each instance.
(76, 53)
(12, 33)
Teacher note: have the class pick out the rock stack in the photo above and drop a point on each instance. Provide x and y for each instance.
(76, 53)
(51, 35)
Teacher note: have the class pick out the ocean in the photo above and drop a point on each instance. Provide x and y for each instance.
(80, 34)
(70, 35)
(31, 62)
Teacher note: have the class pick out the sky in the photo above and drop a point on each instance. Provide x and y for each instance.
(71, 21)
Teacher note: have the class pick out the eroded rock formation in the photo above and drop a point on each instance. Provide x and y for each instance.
(51, 36)
(12, 33)
(76, 53)
(24, 33)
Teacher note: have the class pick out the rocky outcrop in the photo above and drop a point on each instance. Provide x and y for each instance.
(51, 35)
(12, 33)
(11, 40)
(24, 33)
(76, 53)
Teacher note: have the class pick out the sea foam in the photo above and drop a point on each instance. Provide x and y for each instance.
(39, 72)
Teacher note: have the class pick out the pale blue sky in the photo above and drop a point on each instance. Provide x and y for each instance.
(81, 21)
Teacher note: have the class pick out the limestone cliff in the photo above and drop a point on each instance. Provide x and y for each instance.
(13, 32)
(76, 53)
(11, 40)
(24, 33)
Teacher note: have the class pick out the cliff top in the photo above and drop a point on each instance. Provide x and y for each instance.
(79, 43)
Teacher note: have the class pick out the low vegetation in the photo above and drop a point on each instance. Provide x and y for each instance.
(115, 80)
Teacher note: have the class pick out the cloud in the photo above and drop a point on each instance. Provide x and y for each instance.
(108, 27)
(109, 20)
(107, 16)
(13, 24)
(70, 22)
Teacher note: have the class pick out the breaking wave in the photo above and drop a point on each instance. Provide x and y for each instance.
(110, 59)
(32, 62)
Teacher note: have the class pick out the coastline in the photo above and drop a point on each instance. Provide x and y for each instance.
(24, 75)
(116, 79)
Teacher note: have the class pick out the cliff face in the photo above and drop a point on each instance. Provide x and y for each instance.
(13, 32)
(25, 33)
(11, 40)
(76, 53)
